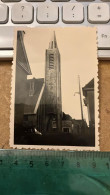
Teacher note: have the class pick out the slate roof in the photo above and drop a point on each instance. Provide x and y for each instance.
(21, 56)
(31, 101)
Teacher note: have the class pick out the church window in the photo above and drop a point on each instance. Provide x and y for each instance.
(51, 61)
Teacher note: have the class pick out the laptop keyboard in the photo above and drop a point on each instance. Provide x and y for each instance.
(70, 12)
(33, 13)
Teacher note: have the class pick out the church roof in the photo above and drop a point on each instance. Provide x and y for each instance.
(22, 59)
(32, 101)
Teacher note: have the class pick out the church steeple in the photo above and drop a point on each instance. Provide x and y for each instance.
(53, 101)
(53, 42)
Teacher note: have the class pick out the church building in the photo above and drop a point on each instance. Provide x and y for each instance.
(22, 71)
(38, 102)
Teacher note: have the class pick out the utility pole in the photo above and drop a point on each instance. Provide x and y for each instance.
(80, 98)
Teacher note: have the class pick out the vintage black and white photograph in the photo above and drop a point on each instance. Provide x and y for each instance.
(55, 96)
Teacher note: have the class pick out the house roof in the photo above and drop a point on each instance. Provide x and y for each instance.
(88, 87)
(32, 101)
(21, 56)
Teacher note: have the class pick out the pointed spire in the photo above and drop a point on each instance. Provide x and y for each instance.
(53, 42)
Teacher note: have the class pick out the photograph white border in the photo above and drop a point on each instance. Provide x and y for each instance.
(52, 147)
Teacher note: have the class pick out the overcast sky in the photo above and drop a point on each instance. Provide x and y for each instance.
(77, 47)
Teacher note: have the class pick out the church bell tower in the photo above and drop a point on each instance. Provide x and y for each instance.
(53, 101)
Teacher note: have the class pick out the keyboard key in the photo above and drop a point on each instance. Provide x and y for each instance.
(11, 1)
(98, 13)
(47, 13)
(104, 37)
(3, 14)
(60, 0)
(35, 0)
(73, 13)
(22, 13)
(85, 0)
